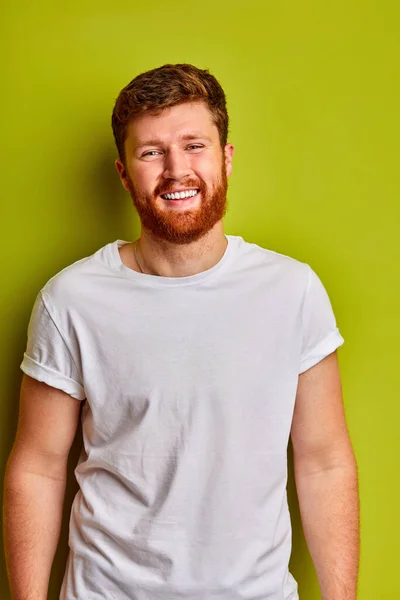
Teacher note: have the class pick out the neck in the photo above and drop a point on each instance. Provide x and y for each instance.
(159, 257)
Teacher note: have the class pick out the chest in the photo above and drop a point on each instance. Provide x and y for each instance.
(207, 361)
(190, 338)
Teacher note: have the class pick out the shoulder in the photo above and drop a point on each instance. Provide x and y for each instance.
(272, 264)
(74, 281)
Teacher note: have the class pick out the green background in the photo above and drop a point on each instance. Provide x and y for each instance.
(313, 97)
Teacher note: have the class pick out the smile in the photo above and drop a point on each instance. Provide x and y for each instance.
(180, 195)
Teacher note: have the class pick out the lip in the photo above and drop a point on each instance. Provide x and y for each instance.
(187, 189)
(182, 202)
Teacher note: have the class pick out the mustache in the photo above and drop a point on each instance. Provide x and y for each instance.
(188, 184)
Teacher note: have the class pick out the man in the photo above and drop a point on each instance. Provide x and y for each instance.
(196, 354)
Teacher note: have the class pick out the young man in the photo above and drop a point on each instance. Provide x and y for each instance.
(196, 355)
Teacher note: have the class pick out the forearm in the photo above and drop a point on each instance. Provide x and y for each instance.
(329, 508)
(33, 505)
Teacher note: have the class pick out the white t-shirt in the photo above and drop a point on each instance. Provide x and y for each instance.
(189, 386)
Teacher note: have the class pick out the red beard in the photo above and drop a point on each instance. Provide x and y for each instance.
(182, 226)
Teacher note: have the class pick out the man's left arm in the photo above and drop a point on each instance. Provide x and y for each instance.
(326, 478)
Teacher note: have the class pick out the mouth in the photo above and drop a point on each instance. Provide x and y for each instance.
(181, 198)
(181, 194)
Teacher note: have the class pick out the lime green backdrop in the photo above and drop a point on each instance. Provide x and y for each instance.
(313, 96)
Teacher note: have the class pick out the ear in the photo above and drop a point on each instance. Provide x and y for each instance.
(122, 174)
(229, 152)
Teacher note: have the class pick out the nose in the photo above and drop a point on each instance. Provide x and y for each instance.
(176, 164)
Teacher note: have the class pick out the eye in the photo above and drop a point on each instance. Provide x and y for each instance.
(195, 146)
(150, 153)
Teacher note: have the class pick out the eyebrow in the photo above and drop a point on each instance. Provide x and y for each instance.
(192, 135)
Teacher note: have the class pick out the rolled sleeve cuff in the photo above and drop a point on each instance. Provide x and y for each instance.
(327, 346)
(53, 378)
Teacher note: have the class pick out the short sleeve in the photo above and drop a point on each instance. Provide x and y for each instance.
(47, 357)
(320, 334)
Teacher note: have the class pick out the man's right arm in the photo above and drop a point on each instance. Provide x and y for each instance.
(34, 486)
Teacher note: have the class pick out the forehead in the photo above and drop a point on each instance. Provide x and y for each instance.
(172, 123)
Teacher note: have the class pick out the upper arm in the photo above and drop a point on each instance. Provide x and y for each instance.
(48, 420)
(319, 433)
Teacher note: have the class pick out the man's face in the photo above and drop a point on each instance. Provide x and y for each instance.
(177, 151)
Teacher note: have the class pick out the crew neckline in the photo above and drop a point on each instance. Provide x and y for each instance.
(160, 281)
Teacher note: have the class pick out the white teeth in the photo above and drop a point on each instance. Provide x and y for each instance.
(180, 195)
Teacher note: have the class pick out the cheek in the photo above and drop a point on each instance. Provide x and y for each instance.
(205, 170)
(144, 178)
(209, 166)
